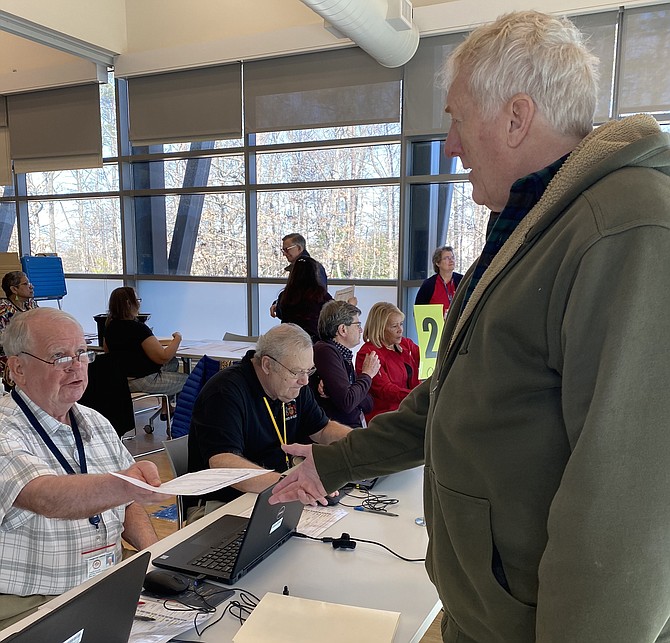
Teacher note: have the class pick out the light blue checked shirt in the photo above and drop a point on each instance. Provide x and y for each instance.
(40, 555)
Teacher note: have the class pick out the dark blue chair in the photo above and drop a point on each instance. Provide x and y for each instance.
(203, 370)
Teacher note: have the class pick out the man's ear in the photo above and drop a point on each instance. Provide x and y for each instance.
(520, 111)
(265, 364)
(341, 330)
(15, 369)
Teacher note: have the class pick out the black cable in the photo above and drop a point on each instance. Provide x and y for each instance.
(243, 607)
(346, 537)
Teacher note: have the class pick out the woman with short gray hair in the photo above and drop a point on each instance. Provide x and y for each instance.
(340, 392)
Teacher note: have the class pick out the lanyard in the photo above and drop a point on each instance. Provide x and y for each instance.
(94, 520)
(449, 287)
(274, 423)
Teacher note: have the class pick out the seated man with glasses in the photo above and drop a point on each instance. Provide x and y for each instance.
(62, 513)
(294, 246)
(342, 393)
(246, 412)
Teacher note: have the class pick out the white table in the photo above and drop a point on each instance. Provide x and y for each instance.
(368, 576)
(221, 350)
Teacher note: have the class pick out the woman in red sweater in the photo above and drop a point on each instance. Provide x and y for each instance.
(399, 357)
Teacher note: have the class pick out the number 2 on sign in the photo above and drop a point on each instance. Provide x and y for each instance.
(429, 322)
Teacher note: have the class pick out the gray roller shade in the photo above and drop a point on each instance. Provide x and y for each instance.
(194, 105)
(58, 129)
(325, 89)
(600, 32)
(644, 82)
(425, 98)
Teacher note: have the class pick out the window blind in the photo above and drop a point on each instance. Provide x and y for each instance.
(5, 159)
(600, 30)
(195, 105)
(644, 81)
(425, 98)
(325, 89)
(57, 129)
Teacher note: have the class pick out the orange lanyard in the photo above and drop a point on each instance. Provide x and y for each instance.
(274, 423)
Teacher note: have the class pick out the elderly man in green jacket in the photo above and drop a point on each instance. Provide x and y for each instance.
(544, 429)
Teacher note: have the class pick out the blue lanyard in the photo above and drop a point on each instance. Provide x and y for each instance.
(94, 520)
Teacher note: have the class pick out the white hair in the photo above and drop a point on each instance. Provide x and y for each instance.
(531, 53)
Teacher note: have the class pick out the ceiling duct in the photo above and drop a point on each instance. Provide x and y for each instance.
(382, 28)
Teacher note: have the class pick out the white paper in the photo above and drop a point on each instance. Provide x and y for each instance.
(198, 483)
(166, 624)
(314, 520)
(288, 619)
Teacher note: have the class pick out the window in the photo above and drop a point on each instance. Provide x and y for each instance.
(85, 233)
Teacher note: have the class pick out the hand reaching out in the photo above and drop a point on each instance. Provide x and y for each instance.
(303, 482)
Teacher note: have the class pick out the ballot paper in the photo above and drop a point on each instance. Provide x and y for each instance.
(198, 483)
(289, 619)
(159, 621)
(314, 520)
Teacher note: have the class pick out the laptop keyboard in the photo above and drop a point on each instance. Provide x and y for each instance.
(222, 557)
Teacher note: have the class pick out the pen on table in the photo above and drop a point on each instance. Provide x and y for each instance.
(376, 511)
(139, 617)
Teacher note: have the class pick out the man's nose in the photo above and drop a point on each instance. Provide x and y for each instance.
(452, 145)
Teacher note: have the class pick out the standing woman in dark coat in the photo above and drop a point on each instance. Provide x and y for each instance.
(441, 287)
(301, 301)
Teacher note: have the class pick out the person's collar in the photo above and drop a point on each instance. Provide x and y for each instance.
(50, 423)
(342, 349)
(259, 377)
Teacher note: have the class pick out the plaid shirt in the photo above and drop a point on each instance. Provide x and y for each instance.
(42, 555)
(525, 193)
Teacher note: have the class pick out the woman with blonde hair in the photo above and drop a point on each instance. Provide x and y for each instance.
(398, 355)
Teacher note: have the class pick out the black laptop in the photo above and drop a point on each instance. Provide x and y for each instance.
(231, 546)
(365, 485)
(101, 612)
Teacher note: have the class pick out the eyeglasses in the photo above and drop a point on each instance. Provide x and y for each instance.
(65, 362)
(285, 250)
(297, 374)
(359, 324)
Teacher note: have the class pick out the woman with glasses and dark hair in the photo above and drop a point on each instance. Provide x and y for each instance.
(18, 296)
(301, 301)
(149, 366)
(18, 299)
(441, 287)
(341, 393)
(398, 355)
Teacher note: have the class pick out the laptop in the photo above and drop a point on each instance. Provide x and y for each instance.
(366, 484)
(232, 545)
(101, 612)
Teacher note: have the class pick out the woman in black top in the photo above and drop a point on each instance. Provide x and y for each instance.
(149, 366)
(301, 301)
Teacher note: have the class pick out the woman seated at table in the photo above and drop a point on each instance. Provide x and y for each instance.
(301, 301)
(441, 287)
(149, 366)
(398, 355)
(341, 393)
(19, 296)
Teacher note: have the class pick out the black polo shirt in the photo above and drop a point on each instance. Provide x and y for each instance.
(230, 416)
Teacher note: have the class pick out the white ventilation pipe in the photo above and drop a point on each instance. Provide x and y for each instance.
(364, 21)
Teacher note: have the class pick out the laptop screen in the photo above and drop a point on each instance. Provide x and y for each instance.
(101, 612)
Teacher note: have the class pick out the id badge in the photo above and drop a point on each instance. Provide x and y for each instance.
(98, 560)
